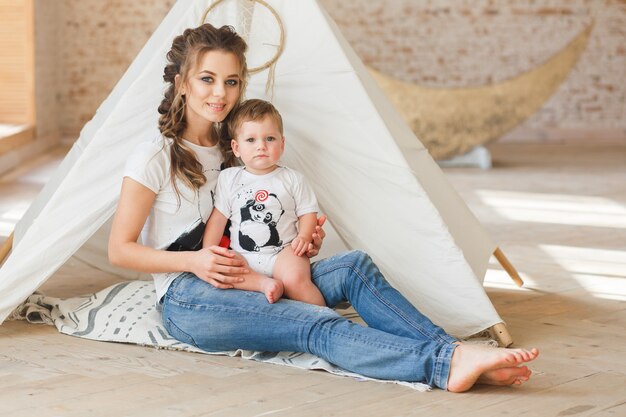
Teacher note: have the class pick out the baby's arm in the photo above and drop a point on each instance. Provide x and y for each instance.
(254, 281)
(214, 229)
(306, 228)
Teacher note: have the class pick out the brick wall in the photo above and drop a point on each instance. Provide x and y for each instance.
(452, 43)
(436, 43)
(98, 41)
(47, 85)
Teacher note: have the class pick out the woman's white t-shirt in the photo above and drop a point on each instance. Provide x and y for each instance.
(175, 224)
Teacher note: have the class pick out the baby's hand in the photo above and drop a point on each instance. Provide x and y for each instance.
(300, 245)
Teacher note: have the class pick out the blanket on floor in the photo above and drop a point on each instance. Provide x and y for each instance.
(126, 313)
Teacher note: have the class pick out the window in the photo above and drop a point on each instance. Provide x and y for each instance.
(17, 73)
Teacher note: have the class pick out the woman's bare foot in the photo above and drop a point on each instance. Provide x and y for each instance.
(273, 289)
(505, 376)
(470, 362)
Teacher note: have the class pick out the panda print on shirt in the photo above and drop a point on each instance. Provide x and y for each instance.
(259, 217)
(191, 239)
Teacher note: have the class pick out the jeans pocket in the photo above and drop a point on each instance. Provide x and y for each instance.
(179, 334)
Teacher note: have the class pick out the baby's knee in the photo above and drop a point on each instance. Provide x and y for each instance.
(298, 280)
(293, 273)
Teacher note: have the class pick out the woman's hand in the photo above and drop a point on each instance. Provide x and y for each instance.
(300, 245)
(218, 266)
(318, 237)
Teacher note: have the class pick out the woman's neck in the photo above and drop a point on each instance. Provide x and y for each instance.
(203, 136)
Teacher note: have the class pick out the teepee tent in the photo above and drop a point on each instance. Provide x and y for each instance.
(379, 187)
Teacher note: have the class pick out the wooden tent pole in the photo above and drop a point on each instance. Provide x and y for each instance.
(500, 333)
(508, 267)
(6, 247)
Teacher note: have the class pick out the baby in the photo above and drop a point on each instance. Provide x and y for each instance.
(272, 210)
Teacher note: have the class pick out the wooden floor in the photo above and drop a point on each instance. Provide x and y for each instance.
(559, 214)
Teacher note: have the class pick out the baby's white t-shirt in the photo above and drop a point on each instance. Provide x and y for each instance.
(263, 209)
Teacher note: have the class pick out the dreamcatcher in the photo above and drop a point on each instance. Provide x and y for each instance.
(258, 24)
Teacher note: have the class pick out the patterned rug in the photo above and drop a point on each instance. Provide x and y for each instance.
(126, 313)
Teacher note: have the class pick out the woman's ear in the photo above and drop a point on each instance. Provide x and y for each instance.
(179, 88)
(235, 146)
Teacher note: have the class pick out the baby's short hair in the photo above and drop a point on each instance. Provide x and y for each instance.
(253, 110)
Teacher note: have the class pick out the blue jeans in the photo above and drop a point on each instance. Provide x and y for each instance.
(399, 344)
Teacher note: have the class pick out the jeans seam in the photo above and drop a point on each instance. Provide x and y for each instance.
(295, 320)
(185, 304)
(378, 296)
(393, 308)
(444, 359)
(235, 310)
(373, 344)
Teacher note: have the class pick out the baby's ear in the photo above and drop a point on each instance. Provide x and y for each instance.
(235, 147)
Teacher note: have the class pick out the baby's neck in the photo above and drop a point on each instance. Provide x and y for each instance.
(261, 171)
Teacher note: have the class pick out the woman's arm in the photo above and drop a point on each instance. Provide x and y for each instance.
(214, 264)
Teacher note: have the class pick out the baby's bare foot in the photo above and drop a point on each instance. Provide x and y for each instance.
(470, 362)
(273, 289)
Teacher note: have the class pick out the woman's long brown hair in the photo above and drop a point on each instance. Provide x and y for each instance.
(187, 50)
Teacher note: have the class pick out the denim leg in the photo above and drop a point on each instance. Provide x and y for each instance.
(219, 320)
(353, 276)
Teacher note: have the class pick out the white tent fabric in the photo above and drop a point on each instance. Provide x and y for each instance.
(379, 187)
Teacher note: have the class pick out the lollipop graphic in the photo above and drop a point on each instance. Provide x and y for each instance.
(261, 196)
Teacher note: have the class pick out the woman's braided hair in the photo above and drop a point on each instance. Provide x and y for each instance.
(187, 50)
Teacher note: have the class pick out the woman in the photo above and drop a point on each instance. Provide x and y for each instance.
(166, 197)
